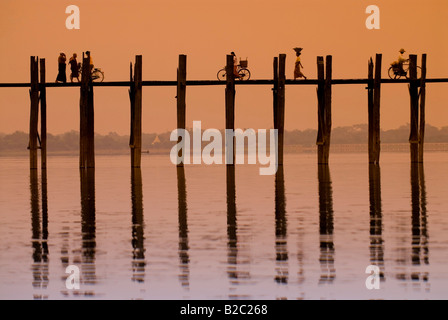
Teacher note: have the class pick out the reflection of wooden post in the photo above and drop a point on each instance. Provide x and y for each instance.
(413, 92)
(326, 225)
(135, 94)
(181, 107)
(184, 258)
(376, 221)
(43, 113)
(281, 248)
(281, 105)
(232, 235)
(34, 111)
(86, 132)
(422, 109)
(138, 245)
(230, 112)
(374, 95)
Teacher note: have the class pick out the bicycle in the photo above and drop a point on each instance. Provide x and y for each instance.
(243, 72)
(395, 72)
(96, 74)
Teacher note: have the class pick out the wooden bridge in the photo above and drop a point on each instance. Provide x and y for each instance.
(324, 83)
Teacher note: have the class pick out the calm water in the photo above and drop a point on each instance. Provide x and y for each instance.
(206, 232)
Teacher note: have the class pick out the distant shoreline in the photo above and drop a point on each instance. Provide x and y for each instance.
(294, 149)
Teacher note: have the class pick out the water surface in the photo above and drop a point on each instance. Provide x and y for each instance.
(212, 232)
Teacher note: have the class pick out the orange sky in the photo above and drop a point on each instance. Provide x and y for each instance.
(116, 30)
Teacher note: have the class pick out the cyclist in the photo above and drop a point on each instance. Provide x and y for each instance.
(398, 65)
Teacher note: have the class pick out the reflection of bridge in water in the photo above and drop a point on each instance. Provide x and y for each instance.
(412, 253)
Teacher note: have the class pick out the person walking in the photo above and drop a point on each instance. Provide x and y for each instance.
(297, 72)
(74, 67)
(62, 76)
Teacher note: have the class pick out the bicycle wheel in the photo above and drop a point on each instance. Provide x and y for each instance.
(419, 73)
(244, 74)
(221, 74)
(98, 76)
(392, 73)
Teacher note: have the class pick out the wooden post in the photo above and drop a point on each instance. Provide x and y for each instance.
(376, 107)
(86, 132)
(413, 92)
(320, 109)
(281, 106)
(275, 93)
(327, 110)
(324, 110)
(422, 109)
(370, 111)
(43, 113)
(230, 112)
(34, 111)
(181, 105)
(374, 111)
(135, 94)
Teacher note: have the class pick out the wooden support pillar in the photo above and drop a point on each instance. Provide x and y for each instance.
(230, 112)
(34, 111)
(328, 121)
(181, 104)
(43, 113)
(324, 109)
(320, 109)
(275, 93)
(422, 109)
(86, 118)
(281, 106)
(370, 110)
(413, 92)
(374, 97)
(135, 95)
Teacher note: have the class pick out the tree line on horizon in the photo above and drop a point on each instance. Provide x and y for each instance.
(356, 134)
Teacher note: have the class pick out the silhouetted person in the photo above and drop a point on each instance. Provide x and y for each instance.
(398, 65)
(61, 77)
(90, 59)
(74, 67)
(297, 72)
